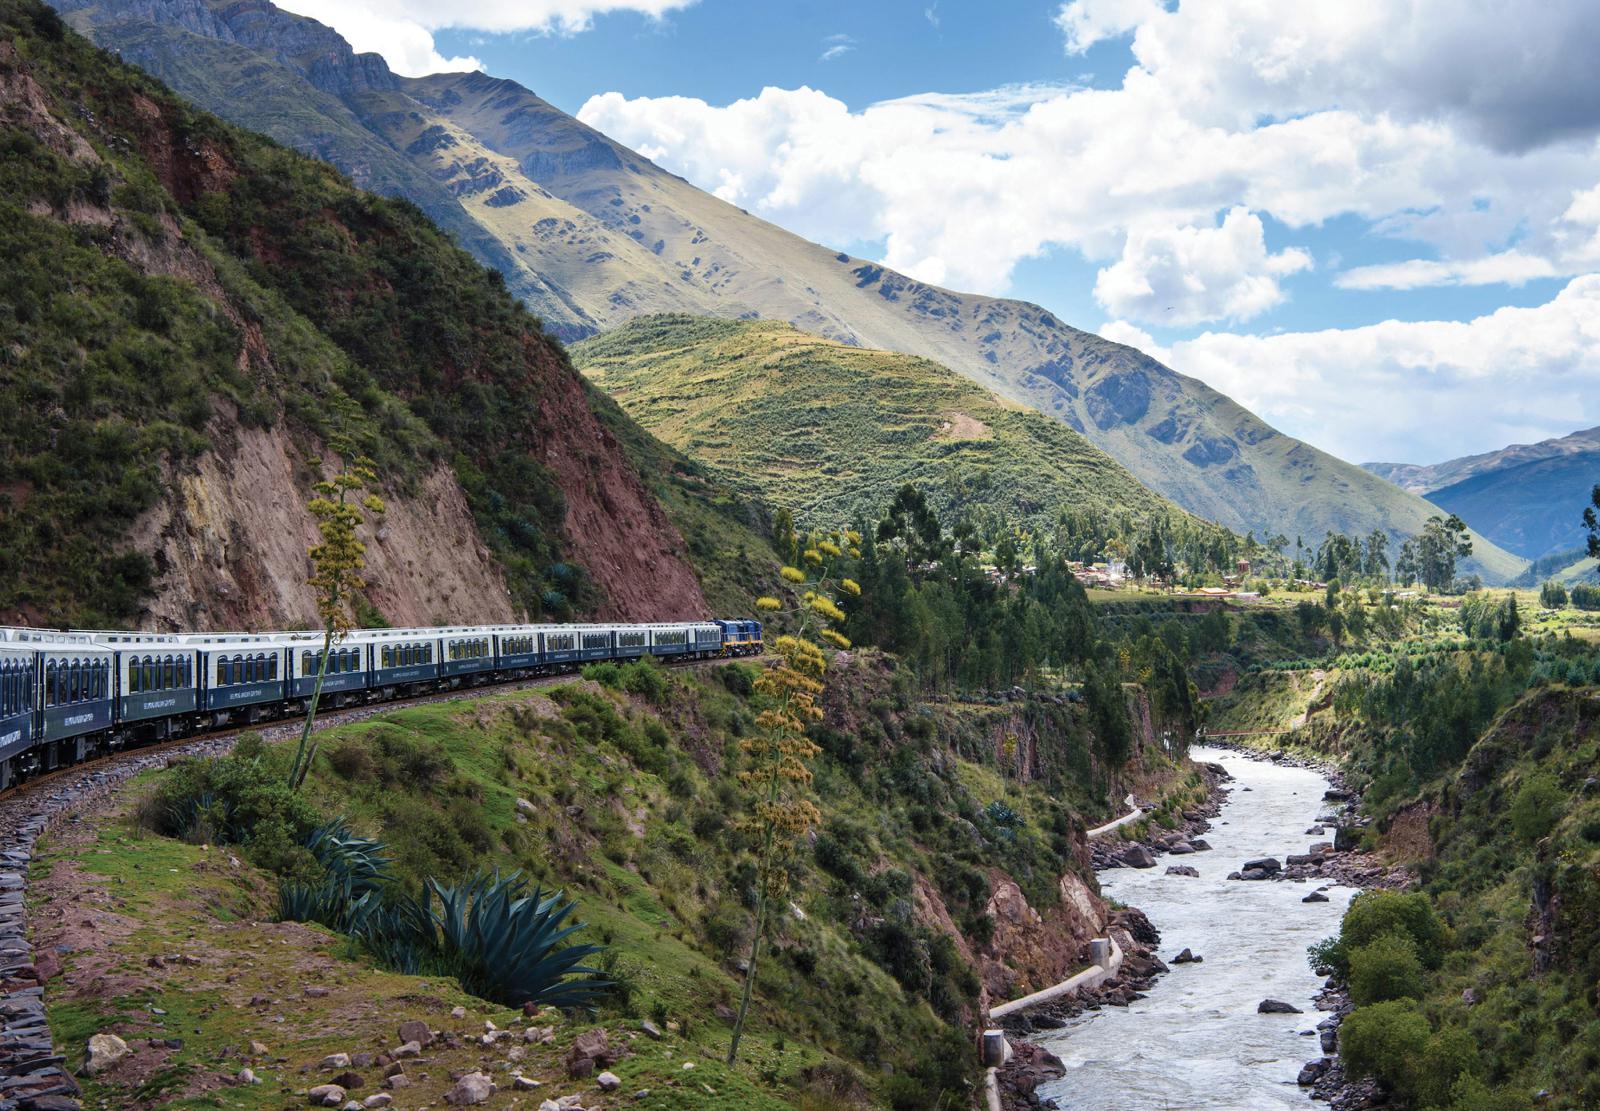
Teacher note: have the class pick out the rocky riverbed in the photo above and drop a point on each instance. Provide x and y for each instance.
(1230, 1025)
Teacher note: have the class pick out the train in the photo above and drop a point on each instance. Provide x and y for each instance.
(71, 695)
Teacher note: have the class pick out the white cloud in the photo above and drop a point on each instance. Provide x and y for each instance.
(836, 46)
(1086, 22)
(961, 188)
(1506, 268)
(402, 30)
(1412, 391)
(1179, 276)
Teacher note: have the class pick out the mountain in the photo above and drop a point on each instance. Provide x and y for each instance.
(831, 431)
(192, 312)
(1528, 498)
(597, 234)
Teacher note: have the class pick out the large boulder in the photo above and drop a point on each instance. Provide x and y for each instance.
(325, 1095)
(105, 1050)
(473, 1088)
(1268, 864)
(1277, 1007)
(1180, 848)
(1137, 856)
(1187, 957)
(415, 1031)
(590, 1051)
(1182, 870)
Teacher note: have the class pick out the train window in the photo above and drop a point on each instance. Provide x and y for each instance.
(50, 683)
(272, 667)
(222, 671)
(102, 675)
(169, 672)
(133, 677)
(149, 666)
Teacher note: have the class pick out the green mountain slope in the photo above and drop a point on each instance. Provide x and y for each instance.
(832, 431)
(186, 307)
(1528, 498)
(612, 236)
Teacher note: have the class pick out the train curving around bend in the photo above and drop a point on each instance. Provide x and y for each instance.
(70, 695)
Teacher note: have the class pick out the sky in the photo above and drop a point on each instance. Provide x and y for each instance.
(1374, 222)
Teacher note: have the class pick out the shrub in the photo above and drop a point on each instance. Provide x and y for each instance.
(241, 799)
(1385, 969)
(1384, 1041)
(645, 678)
(1537, 807)
(1451, 1054)
(1375, 913)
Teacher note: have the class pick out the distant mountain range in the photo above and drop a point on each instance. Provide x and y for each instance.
(591, 234)
(1528, 498)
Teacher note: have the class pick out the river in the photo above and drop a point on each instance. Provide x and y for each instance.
(1197, 1040)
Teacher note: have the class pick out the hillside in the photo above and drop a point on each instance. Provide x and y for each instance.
(612, 236)
(189, 308)
(832, 431)
(1528, 498)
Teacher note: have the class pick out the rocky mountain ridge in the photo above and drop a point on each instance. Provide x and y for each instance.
(592, 234)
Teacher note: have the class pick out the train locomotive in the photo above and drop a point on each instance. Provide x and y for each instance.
(67, 696)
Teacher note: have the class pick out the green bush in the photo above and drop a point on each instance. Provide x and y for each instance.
(1386, 969)
(1373, 914)
(1451, 1054)
(240, 799)
(1537, 807)
(1384, 1041)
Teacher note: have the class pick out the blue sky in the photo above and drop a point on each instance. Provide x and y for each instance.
(1378, 225)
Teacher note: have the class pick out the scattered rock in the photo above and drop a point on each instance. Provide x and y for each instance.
(1186, 957)
(317, 993)
(1199, 844)
(1182, 870)
(335, 1061)
(525, 807)
(608, 1081)
(247, 1076)
(325, 1095)
(1137, 856)
(1471, 997)
(1315, 897)
(1277, 1007)
(397, 1081)
(1180, 848)
(349, 1080)
(473, 1088)
(651, 1030)
(259, 1049)
(525, 1083)
(378, 1099)
(1313, 1069)
(105, 1050)
(458, 1012)
(415, 1031)
(1268, 864)
(410, 1049)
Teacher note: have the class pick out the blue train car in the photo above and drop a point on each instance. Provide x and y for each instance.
(347, 671)
(669, 640)
(633, 641)
(706, 638)
(596, 642)
(467, 652)
(397, 657)
(75, 698)
(560, 643)
(19, 683)
(520, 646)
(242, 676)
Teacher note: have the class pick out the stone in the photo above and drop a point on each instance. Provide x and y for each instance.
(1253, 874)
(608, 1081)
(1182, 870)
(325, 1095)
(539, 1034)
(259, 1049)
(549, 1105)
(458, 1012)
(335, 1061)
(1267, 864)
(1311, 1072)
(1180, 848)
(378, 1099)
(1277, 1007)
(317, 993)
(393, 1068)
(525, 1083)
(1199, 844)
(247, 1076)
(1321, 848)
(1329, 1039)
(473, 1088)
(350, 1080)
(1470, 997)
(361, 1060)
(525, 807)
(590, 1050)
(651, 1030)
(580, 1067)
(410, 1049)
(1187, 957)
(397, 1081)
(105, 1050)
(1315, 897)
(1315, 831)
(1137, 856)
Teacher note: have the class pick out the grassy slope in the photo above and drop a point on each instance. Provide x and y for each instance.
(833, 431)
(635, 815)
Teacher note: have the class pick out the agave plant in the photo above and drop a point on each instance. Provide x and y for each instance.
(507, 945)
(360, 860)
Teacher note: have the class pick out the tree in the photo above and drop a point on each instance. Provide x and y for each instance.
(778, 774)
(1108, 712)
(1552, 595)
(1442, 542)
(341, 509)
(1375, 558)
(783, 536)
(1591, 523)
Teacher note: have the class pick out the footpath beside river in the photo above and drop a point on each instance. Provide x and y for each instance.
(1197, 1040)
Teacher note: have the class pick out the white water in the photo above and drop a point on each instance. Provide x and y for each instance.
(1197, 1041)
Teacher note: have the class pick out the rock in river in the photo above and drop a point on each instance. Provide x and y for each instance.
(1277, 1007)
(1137, 856)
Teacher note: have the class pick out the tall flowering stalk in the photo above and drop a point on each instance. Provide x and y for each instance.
(341, 509)
(780, 752)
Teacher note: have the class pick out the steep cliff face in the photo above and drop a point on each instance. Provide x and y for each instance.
(193, 309)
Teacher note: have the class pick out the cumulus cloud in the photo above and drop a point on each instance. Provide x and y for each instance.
(1185, 275)
(836, 46)
(402, 30)
(1288, 118)
(1421, 391)
(1506, 268)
